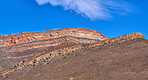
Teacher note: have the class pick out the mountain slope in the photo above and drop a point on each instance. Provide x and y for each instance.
(20, 46)
(121, 58)
(120, 61)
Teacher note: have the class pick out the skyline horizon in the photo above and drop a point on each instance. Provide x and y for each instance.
(73, 27)
(27, 16)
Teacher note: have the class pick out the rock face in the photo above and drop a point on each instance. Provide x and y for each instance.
(119, 61)
(33, 49)
(70, 47)
(25, 37)
(32, 40)
(20, 46)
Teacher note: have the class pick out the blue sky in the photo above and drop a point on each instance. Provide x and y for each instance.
(28, 15)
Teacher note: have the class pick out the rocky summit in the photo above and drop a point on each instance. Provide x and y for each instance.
(73, 54)
(31, 40)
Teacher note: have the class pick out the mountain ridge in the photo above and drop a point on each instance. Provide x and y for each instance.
(20, 46)
(46, 55)
(62, 46)
(17, 38)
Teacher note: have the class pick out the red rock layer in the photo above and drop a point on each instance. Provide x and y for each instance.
(45, 43)
(32, 40)
(57, 51)
(12, 39)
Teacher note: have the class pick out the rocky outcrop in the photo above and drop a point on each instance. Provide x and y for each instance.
(20, 46)
(49, 54)
(18, 38)
(45, 43)
(71, 47)
(32, 40)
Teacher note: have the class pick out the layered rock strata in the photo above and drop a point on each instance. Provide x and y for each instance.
(25, 37)
(32, 40)
(71, 47)
(20, 46)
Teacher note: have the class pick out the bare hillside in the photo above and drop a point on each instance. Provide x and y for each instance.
(122, 58)
(20, 46)
(73, 54)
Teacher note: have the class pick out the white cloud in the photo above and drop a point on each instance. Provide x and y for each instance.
(92, 9)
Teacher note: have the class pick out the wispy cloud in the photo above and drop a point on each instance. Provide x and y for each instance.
(92, 9)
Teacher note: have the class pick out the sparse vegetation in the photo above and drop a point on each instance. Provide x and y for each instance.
(84, 64)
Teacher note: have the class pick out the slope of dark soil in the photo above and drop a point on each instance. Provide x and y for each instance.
(125, 61)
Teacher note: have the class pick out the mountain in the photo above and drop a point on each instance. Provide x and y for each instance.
(74, 54)
(20, 46)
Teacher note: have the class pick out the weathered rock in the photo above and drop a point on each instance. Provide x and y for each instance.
(70, 47)
(20, 46)
(32, 40)
(25, 37)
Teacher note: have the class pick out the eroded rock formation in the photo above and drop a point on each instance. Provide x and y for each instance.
(70, 47)
(20, 46)
(32, 40)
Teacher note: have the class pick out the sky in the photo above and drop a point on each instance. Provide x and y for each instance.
(111, 17)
